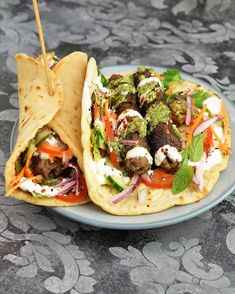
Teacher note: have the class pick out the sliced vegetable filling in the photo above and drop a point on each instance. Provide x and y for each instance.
(146, 132)
(47, 168)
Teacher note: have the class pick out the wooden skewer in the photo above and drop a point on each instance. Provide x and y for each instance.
(43, 48)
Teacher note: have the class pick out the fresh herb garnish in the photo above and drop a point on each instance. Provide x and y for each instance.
(184, 155)
(118, 148)
(199, 96)
(98, 143)
(104, 81)
(182, 179)
(50, 182)
(195, 149)
(170, 75)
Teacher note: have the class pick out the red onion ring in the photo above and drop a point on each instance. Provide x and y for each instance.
(67, 187)
(185, 102)
(62, 183)
(128, 142)
(127, 192)
(204, 125)
(146, 177)
(189, 107)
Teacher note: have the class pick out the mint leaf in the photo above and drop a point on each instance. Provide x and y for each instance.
(184, 155)
(195, 149)
(170, 75)
(199, 96)
(182, 179)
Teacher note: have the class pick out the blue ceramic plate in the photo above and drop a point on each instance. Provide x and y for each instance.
(92, 215)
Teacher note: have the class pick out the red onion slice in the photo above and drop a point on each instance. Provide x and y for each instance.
(75, 167)
(183, 101)
(127, 192)
(146, 177)
(189, 107)
(62, 183)
(67, 187)
(186, 103)
(77, 188)
(128, 142)
(204, 125)
(195, 180)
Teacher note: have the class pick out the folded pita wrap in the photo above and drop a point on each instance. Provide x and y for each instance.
(61, 112)
(156, 199)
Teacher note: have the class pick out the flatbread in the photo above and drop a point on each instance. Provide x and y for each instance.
(157, 199)
(62, 112)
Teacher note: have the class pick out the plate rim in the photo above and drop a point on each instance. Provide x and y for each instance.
(65, 211)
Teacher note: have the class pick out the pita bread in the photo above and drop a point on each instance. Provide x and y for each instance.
(157, 199)
(62, 112)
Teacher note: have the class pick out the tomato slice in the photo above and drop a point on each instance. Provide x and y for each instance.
(73, 197)
(54, 151)
(109, 116)
(70, 198)
(160, 179)
(208, 141)
(96, 111)
(109, 130)
(114, 158)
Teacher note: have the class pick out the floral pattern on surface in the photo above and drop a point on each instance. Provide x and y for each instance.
(179, 269)
(41, 251)
(45, 250)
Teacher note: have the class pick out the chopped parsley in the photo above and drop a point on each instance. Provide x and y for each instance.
(199, 96)
(170, 75)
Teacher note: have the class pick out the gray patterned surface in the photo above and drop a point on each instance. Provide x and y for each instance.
(44, 253)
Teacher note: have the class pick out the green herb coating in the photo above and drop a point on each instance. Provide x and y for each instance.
(157, 113)
(136, 125)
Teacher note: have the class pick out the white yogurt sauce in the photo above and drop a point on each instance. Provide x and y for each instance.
(30, 186)
(167, 151)
(219, 133)
(213, 103)
(102, 171)
(149, 80)
(52, 141)
(214, 158)
(100, 85)
(139, 152)
(123, 119)
(129, 112)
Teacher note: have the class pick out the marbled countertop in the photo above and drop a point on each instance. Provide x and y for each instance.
(41, 252)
